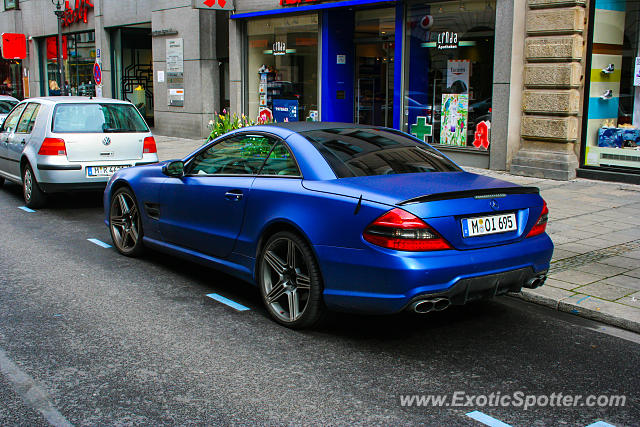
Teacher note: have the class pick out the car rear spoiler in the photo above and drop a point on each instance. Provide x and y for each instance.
(485, 193)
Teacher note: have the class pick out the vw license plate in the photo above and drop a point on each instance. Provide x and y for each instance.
(483, 225)
(104, 170)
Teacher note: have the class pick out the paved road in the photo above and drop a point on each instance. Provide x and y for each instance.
(89, 337)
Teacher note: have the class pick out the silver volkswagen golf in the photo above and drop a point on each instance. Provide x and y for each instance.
(58, 144)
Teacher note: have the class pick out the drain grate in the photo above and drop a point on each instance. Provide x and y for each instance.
(593, 256)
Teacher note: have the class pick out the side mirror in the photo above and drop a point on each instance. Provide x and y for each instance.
(174, 169)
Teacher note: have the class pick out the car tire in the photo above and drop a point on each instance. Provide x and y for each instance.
(125, 223)
(34, 197)
(1, 181)
(290, 282)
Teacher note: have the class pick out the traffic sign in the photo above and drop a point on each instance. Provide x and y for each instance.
(97, 73)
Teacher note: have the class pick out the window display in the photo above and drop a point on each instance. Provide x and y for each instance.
(11, 78)
(283, 68)
(613, 126)
(78, 57)
(449, 72)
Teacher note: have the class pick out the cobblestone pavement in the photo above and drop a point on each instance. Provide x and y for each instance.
(595, 226)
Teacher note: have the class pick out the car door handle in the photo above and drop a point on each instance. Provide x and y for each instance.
(233, 195)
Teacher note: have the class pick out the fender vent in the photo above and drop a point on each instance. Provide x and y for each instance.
(152, 210)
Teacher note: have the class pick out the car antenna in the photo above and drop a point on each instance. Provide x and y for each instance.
(358, 206)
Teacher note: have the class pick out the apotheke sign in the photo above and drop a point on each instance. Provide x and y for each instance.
(279, 48)
(447, 40)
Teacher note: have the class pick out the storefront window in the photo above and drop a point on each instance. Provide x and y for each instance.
(78, 56)
(449, 72)
(11, 78)
(283, 68)
(613, 111)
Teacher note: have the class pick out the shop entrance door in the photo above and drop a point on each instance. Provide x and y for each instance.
(374, 76)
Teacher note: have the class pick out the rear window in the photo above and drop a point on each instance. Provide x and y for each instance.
(6, 105)
(97, 118)
(365, 152)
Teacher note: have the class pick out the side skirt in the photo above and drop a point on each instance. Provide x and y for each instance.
(231, 268)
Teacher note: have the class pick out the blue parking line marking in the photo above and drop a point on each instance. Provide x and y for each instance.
(601, 424)
(228, 302)
(99, 243)
(582, 299)
(26, 209)
(486, 419)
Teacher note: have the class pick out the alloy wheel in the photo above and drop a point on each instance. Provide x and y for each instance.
(285, 279)
(125, 222)
(28, 184)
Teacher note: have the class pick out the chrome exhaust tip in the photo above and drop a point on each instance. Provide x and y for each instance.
(535, 282)
(422, 306)
(441, 304)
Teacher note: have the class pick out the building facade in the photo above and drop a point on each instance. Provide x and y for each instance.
(442, 71)
(167, 57)
(546, 88)
(500, 84)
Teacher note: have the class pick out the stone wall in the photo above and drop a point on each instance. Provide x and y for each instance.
(553, 88)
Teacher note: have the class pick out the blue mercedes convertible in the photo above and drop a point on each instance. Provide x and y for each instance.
(332, 216)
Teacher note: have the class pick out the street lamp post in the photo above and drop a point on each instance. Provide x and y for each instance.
(60, 14)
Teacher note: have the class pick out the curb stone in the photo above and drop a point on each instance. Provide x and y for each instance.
(584, 306)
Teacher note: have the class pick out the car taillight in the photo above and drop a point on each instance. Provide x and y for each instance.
(541, 224)
(53, 147)
(149, 145)
(403, 231)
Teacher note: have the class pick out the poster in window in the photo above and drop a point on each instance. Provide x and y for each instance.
(285, 110)
(458, 75)
(455, 112)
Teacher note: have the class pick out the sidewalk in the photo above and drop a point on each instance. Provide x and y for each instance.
(595, 226)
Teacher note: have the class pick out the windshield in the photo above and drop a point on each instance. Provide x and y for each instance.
(364, 152)
(6, 105)
(97, 118)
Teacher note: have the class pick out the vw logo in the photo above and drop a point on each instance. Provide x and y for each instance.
(106, 140)
(494, 205)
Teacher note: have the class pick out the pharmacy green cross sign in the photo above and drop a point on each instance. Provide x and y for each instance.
(421, 129)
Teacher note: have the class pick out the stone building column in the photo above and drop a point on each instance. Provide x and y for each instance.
(553, 87)
(104, 44)
(236, 66)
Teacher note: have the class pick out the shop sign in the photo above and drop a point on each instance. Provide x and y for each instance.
(213, 4)
(78, 13)
(14, 46)
(279, 48)
(481, 135)
(447, 40)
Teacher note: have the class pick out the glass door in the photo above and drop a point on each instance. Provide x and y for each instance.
(374, 47)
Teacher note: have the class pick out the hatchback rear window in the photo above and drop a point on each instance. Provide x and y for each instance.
(367, 151)
(97, 118)
(6, 105)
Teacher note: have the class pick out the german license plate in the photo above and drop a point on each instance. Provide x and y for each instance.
(484, 225)
(104, 170)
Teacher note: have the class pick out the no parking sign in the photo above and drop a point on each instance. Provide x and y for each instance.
(97, 73)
